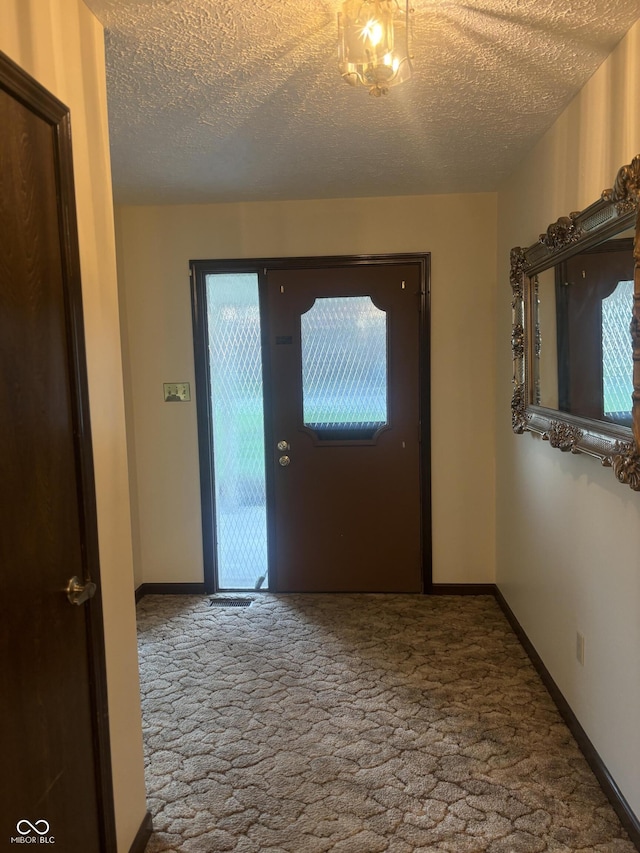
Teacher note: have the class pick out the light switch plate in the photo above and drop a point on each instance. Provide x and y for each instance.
(177, 392)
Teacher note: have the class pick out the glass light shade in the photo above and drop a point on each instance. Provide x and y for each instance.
(374, 44)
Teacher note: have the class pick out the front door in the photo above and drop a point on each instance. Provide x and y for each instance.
(56, 786)
(345, 431)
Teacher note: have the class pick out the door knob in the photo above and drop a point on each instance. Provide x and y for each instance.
(79, 592)
(282, 446)
(284, 461)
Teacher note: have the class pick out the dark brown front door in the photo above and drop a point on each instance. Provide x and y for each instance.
(344, 365)
(55, 784)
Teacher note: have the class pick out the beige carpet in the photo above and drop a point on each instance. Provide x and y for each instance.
(357, 724)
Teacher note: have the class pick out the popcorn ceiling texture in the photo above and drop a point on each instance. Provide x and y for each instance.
(228, 100)
(357, 724)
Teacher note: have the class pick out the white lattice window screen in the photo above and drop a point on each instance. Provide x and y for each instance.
(617, 361)
(344, 363)
(235, 365)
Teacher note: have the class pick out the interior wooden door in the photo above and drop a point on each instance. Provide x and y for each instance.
(345, 409)
(56, 785)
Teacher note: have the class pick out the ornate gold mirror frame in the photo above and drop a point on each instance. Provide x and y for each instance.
(616, 446)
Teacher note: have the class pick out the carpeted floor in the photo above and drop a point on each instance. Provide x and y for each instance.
(356, 724)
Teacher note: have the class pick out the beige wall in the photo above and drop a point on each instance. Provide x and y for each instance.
(568, 535)
(155, 245)
(60, 43)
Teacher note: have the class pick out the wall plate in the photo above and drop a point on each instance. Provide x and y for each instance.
(177, 392)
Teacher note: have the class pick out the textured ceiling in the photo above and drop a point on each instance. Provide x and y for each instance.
(229, 100)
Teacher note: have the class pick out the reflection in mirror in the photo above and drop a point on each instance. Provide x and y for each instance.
(617, 359)
(546, 392)
(585, 303)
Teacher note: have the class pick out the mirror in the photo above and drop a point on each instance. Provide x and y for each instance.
(575, 293)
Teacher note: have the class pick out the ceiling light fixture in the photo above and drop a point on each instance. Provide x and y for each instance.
(374, 44)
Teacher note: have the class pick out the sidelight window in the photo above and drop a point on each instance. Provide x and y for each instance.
(235, 368)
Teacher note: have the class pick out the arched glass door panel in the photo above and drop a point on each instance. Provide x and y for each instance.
(344, 368)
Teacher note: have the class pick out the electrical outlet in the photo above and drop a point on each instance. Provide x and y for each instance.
(580, 648)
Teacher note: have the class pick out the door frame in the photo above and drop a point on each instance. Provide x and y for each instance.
(25, 89)
(199, 270)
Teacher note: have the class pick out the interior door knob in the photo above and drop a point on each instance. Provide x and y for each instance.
(79, 592)
(284, 461)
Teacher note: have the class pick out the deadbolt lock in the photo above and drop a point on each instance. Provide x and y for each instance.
(283, 446)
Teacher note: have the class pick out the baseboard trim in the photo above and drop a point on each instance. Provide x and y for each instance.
(169, 589)
(143, 835)
(613, 793)
(462, 589)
